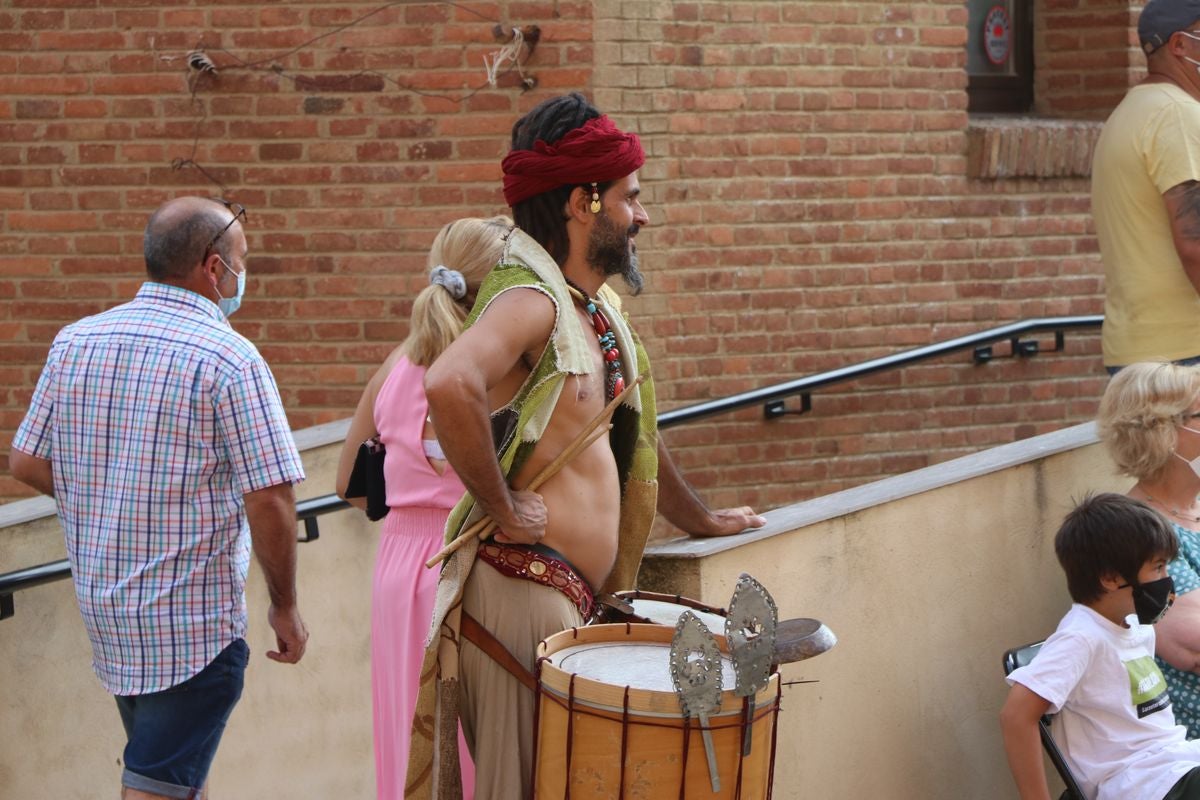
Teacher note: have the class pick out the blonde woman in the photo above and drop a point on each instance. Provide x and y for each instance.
(421, 487)
(1150, 423)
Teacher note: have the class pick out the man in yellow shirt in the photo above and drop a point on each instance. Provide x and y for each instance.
(1146, 198)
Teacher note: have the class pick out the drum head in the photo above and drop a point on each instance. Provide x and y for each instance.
(638, 665)
(665, 613)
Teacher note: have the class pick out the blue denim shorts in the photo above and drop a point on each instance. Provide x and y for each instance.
(173, 734)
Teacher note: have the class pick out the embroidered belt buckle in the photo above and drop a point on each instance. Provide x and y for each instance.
(530, 565)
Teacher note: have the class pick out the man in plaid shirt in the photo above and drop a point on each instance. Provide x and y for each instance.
(160, 433)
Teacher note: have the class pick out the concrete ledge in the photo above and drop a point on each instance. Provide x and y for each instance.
(789, 518)
(19, 512)
(1029, 147)
(321, 435)
(781, 520)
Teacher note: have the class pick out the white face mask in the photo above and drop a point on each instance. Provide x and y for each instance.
(1192, 61)
(1195, 462)
(228, 305)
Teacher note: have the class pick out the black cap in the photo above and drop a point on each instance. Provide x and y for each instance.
(1161, 18)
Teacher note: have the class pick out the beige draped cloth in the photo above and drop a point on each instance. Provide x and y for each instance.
(433, 755)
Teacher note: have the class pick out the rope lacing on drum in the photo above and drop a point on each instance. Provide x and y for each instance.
(774, 730)
(687, 738)
(624, 740)
(570, 733)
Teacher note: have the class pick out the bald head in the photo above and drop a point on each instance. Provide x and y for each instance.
(177, 234)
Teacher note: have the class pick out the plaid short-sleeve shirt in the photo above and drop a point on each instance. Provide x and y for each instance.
(158, 417)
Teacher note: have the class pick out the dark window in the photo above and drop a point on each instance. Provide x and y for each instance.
(1000, 55)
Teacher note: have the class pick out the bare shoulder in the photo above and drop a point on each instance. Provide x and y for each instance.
(515, 323)
(520, 312)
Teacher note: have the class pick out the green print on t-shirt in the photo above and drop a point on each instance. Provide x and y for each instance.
(1147, 687)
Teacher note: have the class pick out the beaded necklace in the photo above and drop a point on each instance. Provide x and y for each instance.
(614, 383)
(1173, 511)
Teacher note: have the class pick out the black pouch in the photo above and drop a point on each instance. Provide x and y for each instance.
(366, 478)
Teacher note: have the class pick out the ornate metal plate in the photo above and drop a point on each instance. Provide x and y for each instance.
(751, 628)
(695, 666)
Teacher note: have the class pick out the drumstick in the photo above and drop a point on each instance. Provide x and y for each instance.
(589, 434)
(486, 525)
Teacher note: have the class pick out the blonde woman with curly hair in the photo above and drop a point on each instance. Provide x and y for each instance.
(1150, 423)
(421, 487)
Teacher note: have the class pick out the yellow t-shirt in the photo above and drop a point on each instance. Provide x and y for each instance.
(1150, 144)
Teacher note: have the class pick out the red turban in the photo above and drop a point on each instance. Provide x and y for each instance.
(596, 152)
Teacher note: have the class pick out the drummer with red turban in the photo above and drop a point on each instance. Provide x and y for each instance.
(546, 351)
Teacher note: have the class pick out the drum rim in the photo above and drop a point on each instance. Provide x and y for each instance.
(708, 618)
(675, 599)
(609, 697)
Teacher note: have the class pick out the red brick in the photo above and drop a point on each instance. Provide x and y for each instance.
(49, 201)
(37, 85)
(377, 151)
(24, 177)
(42, 20)
(91, 109)
(233, 18)
(182, 18)
(140, 84)
(280, 151)
(134, 17)
(279, 17)
(83, 41)
(340, 83)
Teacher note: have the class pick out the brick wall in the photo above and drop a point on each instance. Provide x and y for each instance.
(349, 153)
(1086, 55)
(811, 174)
(807, 184)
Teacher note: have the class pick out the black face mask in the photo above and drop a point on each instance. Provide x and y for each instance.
(1151, 600)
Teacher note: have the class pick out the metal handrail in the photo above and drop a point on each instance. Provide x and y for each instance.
(307, 512)
(772, 398)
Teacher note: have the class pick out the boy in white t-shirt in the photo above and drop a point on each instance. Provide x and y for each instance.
(1114, 723)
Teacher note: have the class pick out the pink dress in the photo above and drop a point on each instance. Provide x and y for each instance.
(419, 500)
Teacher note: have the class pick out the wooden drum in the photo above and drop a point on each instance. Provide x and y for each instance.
(609, 724)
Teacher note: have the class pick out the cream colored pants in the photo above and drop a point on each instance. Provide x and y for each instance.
(496, 710)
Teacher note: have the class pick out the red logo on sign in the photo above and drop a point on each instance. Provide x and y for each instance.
(997, 35)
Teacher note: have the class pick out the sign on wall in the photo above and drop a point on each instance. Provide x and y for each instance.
(990, 37)
(997, 35)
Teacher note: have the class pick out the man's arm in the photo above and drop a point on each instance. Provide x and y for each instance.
(517, 322)
(1022, 741)
(32, 471)
(684, 509)
(1183, 210)
(272, 516)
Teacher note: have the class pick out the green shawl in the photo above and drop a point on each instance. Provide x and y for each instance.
(433, 753)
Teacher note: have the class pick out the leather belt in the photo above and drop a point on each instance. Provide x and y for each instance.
(531, 564)
(482, 638)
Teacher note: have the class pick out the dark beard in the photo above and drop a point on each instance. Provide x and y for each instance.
(609, 252)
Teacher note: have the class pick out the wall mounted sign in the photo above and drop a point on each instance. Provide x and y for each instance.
(997, 35)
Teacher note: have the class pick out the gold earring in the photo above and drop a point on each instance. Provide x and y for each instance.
(595, 200)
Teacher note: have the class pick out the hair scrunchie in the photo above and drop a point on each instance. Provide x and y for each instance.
(449, 279)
